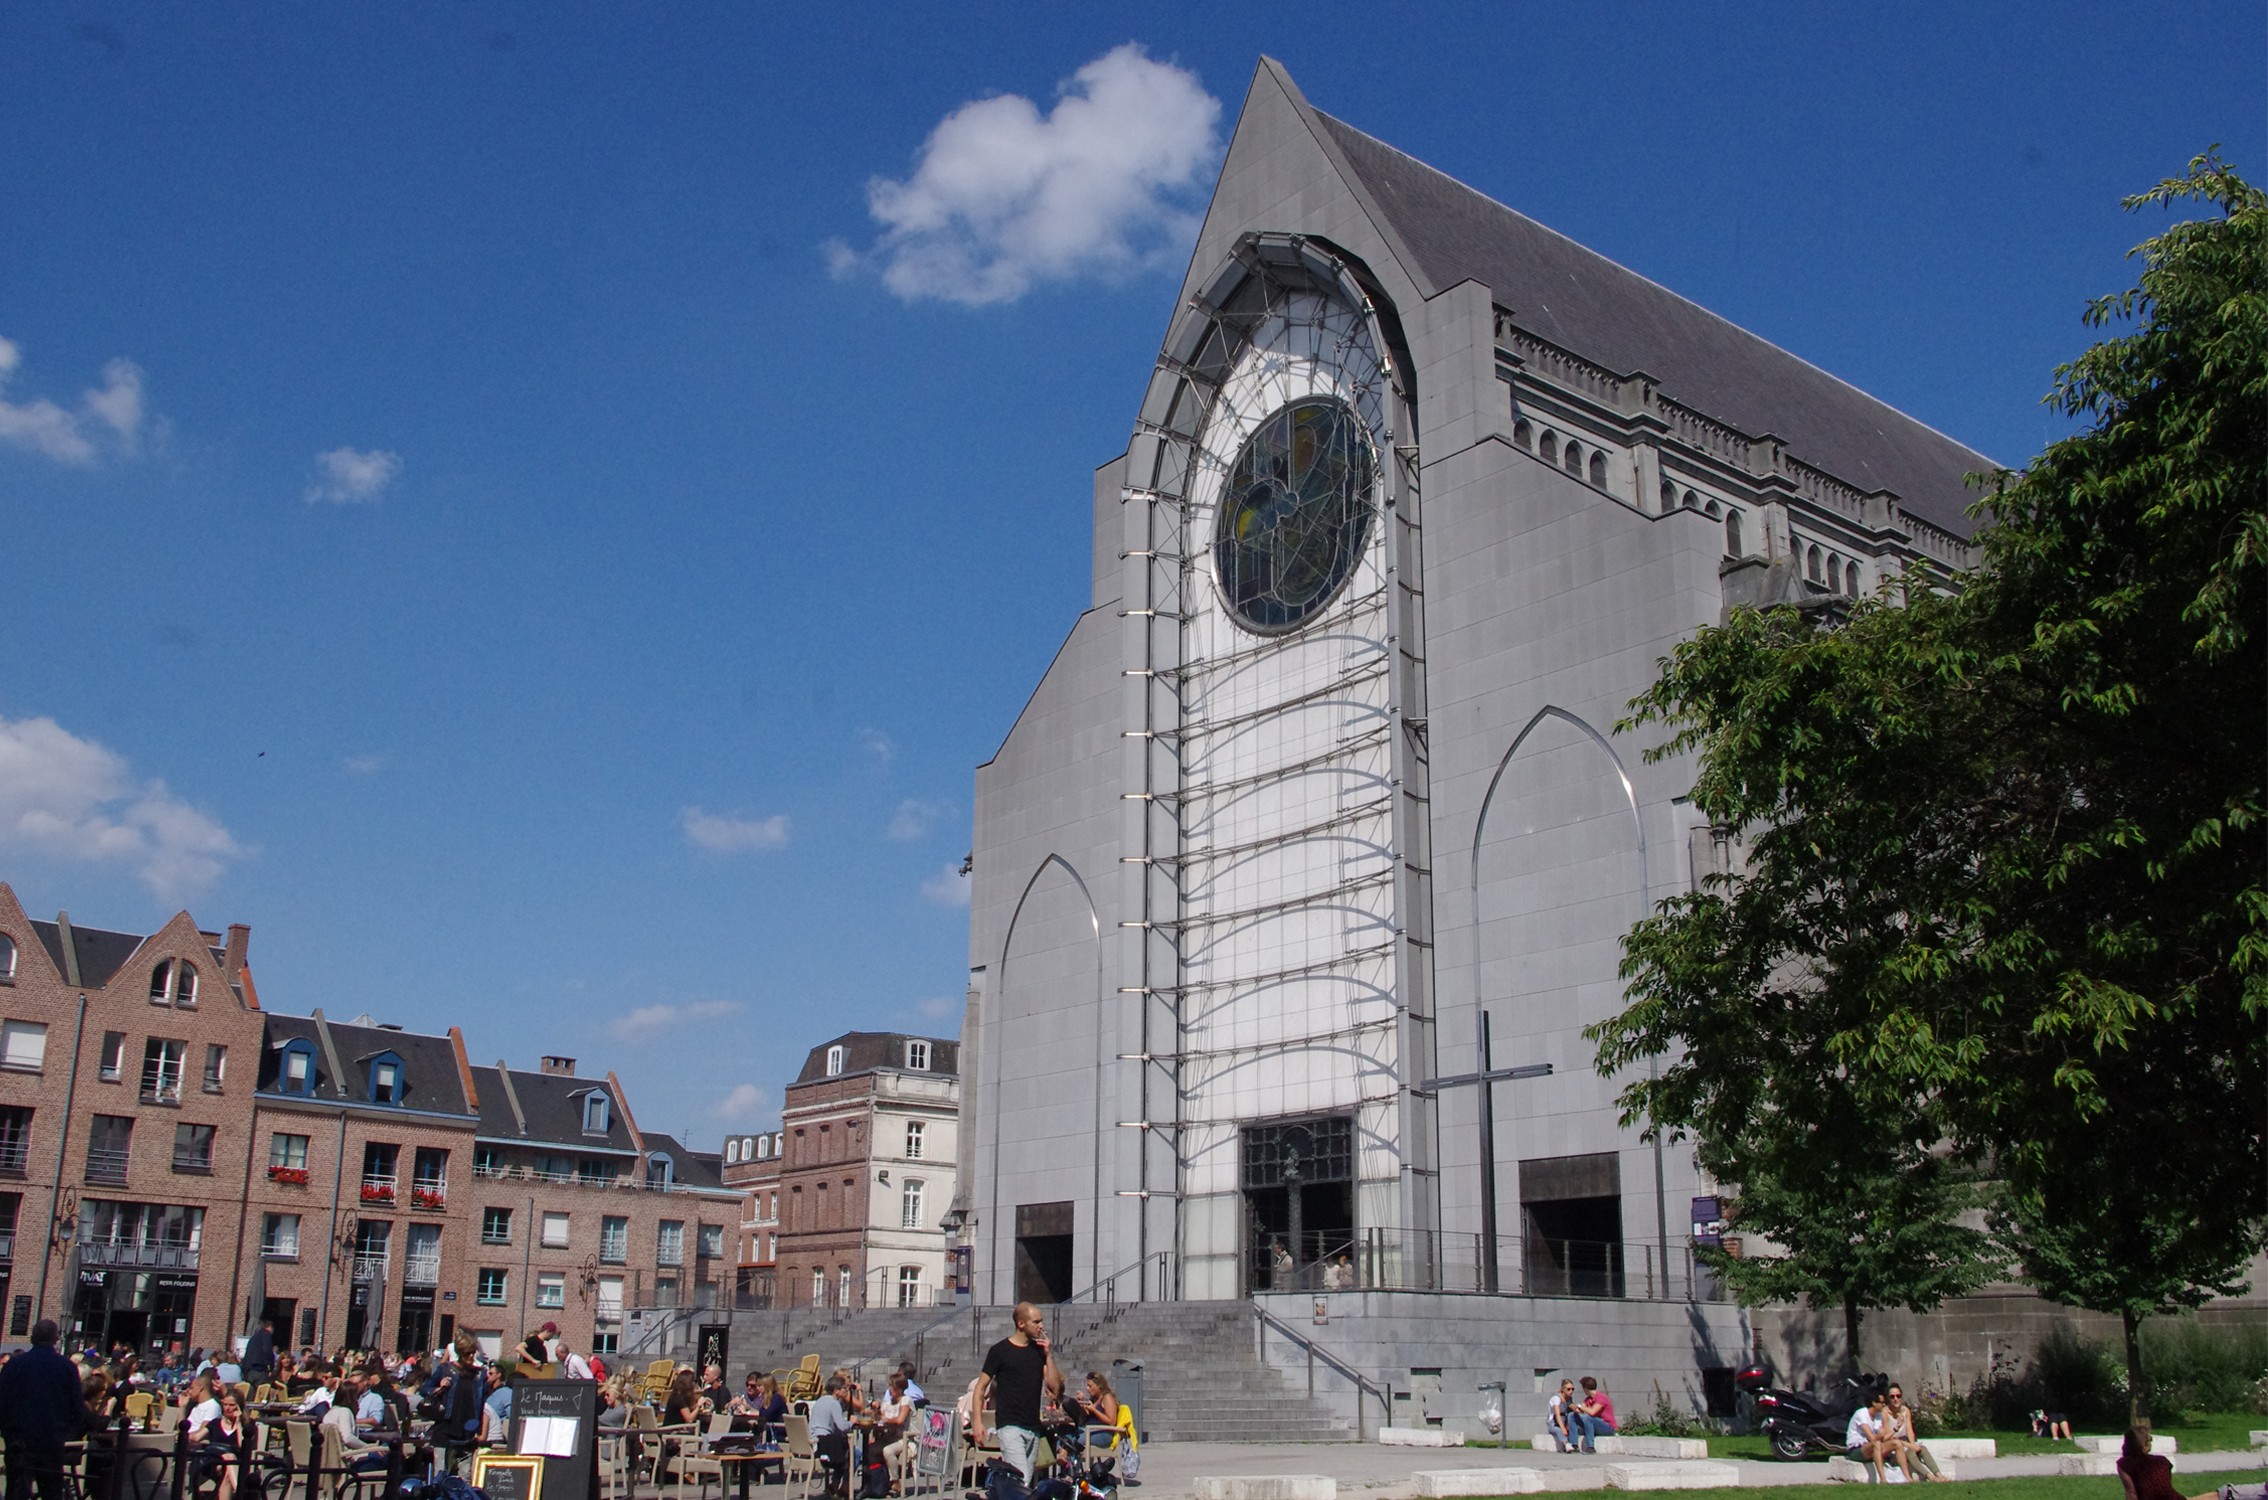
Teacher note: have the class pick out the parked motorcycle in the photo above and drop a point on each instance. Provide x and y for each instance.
(1799, 1423)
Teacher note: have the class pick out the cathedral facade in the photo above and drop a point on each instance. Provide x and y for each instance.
(1325, 787)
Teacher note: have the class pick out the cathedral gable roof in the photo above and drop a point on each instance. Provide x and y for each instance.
(1581, 301)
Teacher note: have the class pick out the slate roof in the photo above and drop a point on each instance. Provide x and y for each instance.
(430, 1080)
(867, 1050)
(101, 954)
(695, 1169)
(1579, 300)
(553, 1104)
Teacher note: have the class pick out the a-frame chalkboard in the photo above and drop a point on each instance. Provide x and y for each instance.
(566, 1414)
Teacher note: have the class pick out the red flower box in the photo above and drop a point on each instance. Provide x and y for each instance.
(376, 1193)
(296, 1176)
(432, 1198)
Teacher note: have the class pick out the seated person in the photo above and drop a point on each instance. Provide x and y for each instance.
(2051, 1424)
(830, 1433)
(1594, 1413)
(893, 1428)
(1096, 1405)
(1867, 1438)
(713, 1387)
(914, 1392)
(1559, 1418)
(359, 1455)
(1899, 1418)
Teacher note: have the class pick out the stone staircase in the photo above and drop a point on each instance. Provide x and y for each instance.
(1202, 1378)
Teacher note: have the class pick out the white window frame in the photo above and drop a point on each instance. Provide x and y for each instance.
(835, 1058)
(909, 1286)
(916, 1134)
(23, 1046)
(279, 1236)
(909, 1204)
(917, 1057)
(554, 1229)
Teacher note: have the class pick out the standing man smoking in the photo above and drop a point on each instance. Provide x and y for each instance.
(1019, 1377)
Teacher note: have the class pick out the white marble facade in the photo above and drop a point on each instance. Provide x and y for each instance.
(1229, 873)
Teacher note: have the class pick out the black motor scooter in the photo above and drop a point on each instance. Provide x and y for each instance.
(1799, 1423)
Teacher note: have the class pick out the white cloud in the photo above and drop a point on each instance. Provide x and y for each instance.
(915, 818)
(352, 476)
(643, 1023)
(64, 796)
(364, 765)
(111, 411)
(725, 835)
(745, 1103)
(938, 1007)
(879, 745)
(948, 887)
(1003, 197)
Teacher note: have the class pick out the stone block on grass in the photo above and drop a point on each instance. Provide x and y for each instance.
(1267, 1487)
(1433, 1483)
(1685, 1474)
(1421, 1437)
(2159, 1444)
(1951, 1447)
(1653, 1447)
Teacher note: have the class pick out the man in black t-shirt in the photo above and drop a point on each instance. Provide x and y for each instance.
(1019, 1377)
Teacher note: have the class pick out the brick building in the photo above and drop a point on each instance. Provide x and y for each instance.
(353, 1228)
(176, 1162)
(752, 1169)
(871, 1136)
(583, 1217)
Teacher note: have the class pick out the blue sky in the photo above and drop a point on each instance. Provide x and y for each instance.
(499, 499)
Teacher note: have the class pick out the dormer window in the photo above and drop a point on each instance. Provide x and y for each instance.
(917, 1056)
(661, 1171)
(597, 1117)
(834, 1060)
(7, 959)
(297, 1075)
(386, 1079)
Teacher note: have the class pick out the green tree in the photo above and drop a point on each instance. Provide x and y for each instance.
(2002, 852)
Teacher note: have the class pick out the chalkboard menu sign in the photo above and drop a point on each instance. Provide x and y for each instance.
(558, 1421)
(505, 1476)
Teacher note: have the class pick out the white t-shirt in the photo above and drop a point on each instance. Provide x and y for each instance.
(1864, 1429)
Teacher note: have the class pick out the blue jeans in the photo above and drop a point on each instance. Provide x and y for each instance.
(1588, 1427)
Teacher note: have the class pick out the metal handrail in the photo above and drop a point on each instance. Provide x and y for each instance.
(1316, 1353)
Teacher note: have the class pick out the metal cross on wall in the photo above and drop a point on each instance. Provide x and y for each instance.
(1486, 1080)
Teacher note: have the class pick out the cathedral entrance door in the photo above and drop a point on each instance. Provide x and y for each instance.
(1298, 1179)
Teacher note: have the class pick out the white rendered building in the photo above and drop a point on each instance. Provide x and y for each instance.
(1417, 495)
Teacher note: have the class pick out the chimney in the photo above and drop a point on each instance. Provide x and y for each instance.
(558, 1067)
(239, 940)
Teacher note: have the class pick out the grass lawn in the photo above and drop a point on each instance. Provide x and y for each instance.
(2093, 1487)
(2199, 1432)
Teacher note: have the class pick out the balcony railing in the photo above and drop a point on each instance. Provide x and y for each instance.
(370, 1268)
(421, 1270)
(15, 1158)
(128, 1255)
(161, 1088)
(429, 1197)
(376, 1189)
(665, 1256)
(105, 1165)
